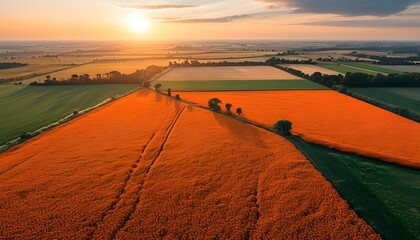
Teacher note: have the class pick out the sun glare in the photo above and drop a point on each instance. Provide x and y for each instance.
(138, 23)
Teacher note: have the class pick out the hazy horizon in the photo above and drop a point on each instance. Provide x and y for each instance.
(178, 20)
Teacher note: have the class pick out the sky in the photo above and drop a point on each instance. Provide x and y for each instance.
(209, 20)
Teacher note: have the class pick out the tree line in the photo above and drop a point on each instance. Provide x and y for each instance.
(114, 77)
(196, 63)
(6, 65)
(274, 61)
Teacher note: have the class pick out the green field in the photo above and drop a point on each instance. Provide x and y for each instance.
(29, 108)
(344, 69)
(408, 98)
(231, 85)
(371, 67)
(385, 195)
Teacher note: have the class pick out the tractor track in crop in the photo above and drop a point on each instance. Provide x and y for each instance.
(129, 197)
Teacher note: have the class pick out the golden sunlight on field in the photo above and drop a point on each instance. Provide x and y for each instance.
(330, 119)
(129, 175)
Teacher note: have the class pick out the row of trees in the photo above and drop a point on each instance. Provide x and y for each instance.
(195, 63)
(282, 127)
(113, 77)
(6, 65)
(386, 60)
(274, 61)
(213, 104)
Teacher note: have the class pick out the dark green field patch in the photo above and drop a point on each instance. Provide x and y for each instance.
(371, 67)
(29, 108)
(385, 195)
(240, 85)
(344, 69)
(408, 98)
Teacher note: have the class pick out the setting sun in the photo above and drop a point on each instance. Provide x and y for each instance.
(138, 23)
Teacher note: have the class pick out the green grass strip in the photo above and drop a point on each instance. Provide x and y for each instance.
(385, 195)
(241, 85)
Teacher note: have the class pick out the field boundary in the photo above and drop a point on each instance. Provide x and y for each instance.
(256, 124)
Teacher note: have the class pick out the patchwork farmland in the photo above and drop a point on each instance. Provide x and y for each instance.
(232, 78)
(153, 166)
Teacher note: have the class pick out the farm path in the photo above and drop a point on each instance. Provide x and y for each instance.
(126, 203)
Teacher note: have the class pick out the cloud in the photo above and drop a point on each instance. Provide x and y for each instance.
(344, 7)
(162, 6)
(381, 23)
(211, 20)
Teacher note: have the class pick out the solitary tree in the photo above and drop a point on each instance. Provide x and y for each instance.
(214, 104)
(48, 77)
(239, 111)
(228, 107)
(283, 127)
(157, 86)
(169, 92)
(178, 97)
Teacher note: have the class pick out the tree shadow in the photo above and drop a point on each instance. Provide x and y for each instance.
(240, 128)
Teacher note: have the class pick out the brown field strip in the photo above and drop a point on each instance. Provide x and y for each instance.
(330, 119)
(148, 167)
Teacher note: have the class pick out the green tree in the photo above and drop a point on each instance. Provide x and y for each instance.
(283, 127)
(157, 86)
(239, 111)
(214, 104)
(228, 107)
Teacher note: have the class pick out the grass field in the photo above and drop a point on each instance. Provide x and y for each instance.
(30, 107)
(123, 172)
(330, 119)
(310, 69)
(220, 85)
(372, 67)
(408, 98)
(385, 195)
(345, 69)
(226, 73)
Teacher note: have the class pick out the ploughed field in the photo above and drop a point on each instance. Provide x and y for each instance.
(146, 166)
(232, 78)
(28, 108)
(330, 119)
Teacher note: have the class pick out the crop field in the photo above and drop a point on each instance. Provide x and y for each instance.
(408, 98)
(29, 108)
(371, 67)
(232, 78)
(150, 186)
(30, 70)
(330, 119)
(344, 68)
(227, 73)
(311, 69)
(103, 67)
(370, 188)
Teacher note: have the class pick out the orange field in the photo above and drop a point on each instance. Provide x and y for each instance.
(330, 119)
(147, 167)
